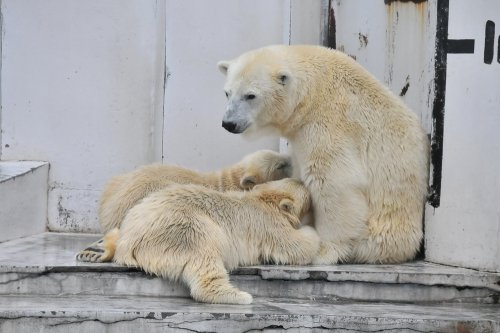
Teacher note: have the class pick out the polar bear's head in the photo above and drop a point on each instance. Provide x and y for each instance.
(260, 90)
(264, 166)
(289, 194)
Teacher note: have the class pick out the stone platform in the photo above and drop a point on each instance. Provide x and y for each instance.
(23, 198)
(43, 286)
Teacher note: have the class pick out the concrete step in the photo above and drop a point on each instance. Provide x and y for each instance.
(91, 313)
(45, 265)
(23, 198)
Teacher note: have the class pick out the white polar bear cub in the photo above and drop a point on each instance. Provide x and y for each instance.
(124, 191)
(194, 234)
(360, 151)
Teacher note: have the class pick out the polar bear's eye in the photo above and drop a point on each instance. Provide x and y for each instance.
(227, 94)
(249, 97)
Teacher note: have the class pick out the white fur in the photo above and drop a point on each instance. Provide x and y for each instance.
(122, 192)
(193, 234)
(361, 152)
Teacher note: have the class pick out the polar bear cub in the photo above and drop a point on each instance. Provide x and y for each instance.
(195, 235)
(360, 151)
(123, 192)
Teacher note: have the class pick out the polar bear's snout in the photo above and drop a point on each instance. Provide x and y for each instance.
(235, 121)
(229, 126)
(234, 127)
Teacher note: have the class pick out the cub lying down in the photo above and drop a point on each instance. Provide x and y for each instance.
(122, 192)
(195, 235)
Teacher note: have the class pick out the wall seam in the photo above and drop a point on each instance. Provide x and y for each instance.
(1, 85)
(166, 75)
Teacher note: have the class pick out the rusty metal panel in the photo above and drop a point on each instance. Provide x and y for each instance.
(395, 42)
(443, 59)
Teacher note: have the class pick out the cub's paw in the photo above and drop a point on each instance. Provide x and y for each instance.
(236, 297)
(243, 298)
(96, 252)
(227, 297)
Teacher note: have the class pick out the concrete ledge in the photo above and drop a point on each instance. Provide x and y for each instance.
(158, 314)
(23, 207)
(45, 265)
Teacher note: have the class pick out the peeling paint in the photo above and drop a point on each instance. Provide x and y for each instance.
(341, 48)
(66, 215)
(389, 2)
(363, 40)
(405, 87)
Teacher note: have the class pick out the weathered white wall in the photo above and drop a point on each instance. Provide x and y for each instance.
(81, 89)
(198, 36)
(395, 42)
(465, 229)
(83, 86)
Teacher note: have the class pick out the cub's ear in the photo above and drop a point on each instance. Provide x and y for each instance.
(287, 205)
(283, 77)
(282, 165)
(285, 167)
(248, 181)
(223, 66)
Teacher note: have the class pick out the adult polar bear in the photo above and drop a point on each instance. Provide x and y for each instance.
(360, 151)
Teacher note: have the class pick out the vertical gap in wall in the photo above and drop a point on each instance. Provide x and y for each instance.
(439, 102)
(332, 27)
(1, 60)
(165, 78)
(290, 22)
(283, 143)
(166, 75)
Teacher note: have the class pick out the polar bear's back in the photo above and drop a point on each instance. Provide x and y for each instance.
(172, 226)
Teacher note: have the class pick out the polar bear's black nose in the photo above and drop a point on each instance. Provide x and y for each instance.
(229, 126)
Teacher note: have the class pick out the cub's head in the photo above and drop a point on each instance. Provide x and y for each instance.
(264, 166)
(289, 195)
(261, 91)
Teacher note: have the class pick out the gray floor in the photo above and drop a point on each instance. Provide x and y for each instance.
(42, 285)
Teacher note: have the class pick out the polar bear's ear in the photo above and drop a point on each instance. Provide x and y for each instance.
(283, 77)
(223, 66)
(287, 205)
(248, 182)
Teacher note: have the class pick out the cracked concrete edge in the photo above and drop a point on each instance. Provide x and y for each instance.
(224, 322)
(463, 280)
(138, 285)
